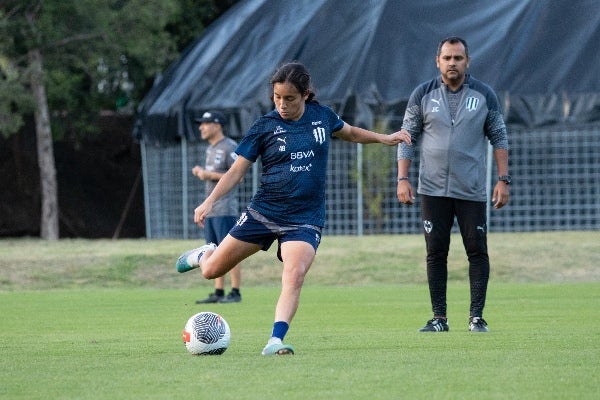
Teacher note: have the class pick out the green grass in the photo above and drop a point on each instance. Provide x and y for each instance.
(352, 342)
(341, 260)
(111, 328)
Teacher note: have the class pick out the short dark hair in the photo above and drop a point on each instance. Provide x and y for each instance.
(296, 74)
(453, 40)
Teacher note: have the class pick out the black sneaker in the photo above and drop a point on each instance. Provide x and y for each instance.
(436, 325)
(212, 298)
(478, 324)
(232, 297)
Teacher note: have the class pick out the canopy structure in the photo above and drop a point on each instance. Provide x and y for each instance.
(366, 56)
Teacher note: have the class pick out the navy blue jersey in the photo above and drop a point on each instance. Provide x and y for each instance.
(294, 160)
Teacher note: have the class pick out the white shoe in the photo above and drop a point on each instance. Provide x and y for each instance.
(191, 259)
(278, 349)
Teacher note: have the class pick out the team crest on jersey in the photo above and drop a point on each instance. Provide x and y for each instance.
(471, 103)
(279, 130)
(218, 157)
(319, 134)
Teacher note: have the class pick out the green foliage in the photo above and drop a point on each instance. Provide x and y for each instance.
(13, 98)
(97, 54)
(377, 162)
(13, 94)
(193, 17)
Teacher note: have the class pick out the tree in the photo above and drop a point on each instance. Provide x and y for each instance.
(372, 172)
(67, 59)
(193, 16)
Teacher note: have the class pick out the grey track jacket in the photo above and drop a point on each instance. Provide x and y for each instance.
(453, 152)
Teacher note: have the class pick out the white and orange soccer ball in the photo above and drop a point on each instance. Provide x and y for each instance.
(206, 333)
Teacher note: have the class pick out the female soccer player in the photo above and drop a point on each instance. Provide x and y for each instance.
(293, 144)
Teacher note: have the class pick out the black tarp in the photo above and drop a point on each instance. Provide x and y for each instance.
(366, 56)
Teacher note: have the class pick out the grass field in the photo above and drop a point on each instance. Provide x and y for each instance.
(111, 328)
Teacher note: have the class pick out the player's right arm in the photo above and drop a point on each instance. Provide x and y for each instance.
(227, 182)
(413, 125)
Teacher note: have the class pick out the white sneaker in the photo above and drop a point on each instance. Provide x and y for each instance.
(191, 259)
(277, 349)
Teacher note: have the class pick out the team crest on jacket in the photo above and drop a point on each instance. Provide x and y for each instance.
(472, 103)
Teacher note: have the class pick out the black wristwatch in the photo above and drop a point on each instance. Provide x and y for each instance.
(506, 179)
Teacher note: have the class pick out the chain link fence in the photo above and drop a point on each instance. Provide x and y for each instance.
(556, 180)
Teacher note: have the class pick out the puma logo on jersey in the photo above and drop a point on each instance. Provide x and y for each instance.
(438, 102)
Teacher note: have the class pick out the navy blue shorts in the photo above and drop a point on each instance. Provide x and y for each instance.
(216, 228)
(253, 227)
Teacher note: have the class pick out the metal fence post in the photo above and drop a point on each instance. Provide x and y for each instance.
(359, 194)
(184, 187)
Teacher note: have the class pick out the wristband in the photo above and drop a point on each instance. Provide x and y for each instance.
(404, 178)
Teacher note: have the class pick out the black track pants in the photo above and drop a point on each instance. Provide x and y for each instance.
(438, 217)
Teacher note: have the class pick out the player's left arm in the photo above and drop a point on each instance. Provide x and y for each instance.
(501, 193)
(355, 134)
(497, 134)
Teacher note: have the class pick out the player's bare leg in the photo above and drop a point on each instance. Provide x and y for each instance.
(297, 258)
(226, 256)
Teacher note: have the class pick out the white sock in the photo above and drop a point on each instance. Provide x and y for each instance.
(193, 260)
(274, 340)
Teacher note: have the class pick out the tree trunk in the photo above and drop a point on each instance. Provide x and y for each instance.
(45, 152)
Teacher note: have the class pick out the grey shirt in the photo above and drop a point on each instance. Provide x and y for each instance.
(219, 158)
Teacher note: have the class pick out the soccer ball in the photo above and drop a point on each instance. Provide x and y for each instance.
(206, 333)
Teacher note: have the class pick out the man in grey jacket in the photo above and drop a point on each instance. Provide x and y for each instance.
(453, 117)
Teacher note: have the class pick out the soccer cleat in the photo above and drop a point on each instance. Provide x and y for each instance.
(436, 325)
(191, 259)
(478, 324)
(278, 349)
(212, 298)
(232, 297)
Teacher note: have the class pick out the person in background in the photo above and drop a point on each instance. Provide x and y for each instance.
(292, 142)
(220, 155)
(454, 116)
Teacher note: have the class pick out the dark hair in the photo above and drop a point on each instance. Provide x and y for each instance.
(453, 40)
(296, 74)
